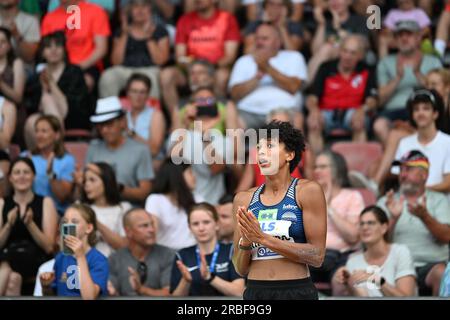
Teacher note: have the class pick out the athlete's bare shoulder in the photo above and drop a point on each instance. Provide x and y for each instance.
(308, 188)
(243, 198)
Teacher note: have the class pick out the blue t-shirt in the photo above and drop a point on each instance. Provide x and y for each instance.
(66, 281)
(223, 268)
(63, 167)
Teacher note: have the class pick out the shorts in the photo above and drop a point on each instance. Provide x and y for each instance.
(422, 273)
(393, 115)
(339, 119)
(300, 289)
(252, 120)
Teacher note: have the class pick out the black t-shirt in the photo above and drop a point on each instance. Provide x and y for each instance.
(224, 269)
(294, 28)
(354, 24)
(136, 51)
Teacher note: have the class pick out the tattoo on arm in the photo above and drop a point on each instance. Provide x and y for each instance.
(311, 256)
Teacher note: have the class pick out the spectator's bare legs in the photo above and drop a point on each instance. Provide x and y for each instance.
(221, 81)
(359, 126)
(315, 124)
(29, 131)
(171, 78)
(14, 285)
(5, 270)
(90, 82)
(433, 278)
(49, 106)
(299, 121)
(440, 42)
(381, 127)
(326, 52)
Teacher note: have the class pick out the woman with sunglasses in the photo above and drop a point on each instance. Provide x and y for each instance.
(205, 269)
(381, 269)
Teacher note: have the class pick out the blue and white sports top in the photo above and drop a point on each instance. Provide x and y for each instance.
(283, 220)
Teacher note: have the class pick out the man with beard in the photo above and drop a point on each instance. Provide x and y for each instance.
(420, 219)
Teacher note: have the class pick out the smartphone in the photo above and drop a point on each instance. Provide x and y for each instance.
(67, 229)
(207, 111)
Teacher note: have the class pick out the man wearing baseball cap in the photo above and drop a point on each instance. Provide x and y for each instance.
(130, 160)
(419, 219)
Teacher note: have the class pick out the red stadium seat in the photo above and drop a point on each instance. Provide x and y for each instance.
(75, 134)
(359, 156)
(78, 150)
(368, 196)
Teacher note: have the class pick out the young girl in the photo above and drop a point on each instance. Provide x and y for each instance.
(205, 269)
(85, 272)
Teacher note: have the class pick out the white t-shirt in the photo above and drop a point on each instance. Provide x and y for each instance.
(45, 267)
(398, 264)
(173, 227)
(437, 151)
(268, 96)
(111, 217)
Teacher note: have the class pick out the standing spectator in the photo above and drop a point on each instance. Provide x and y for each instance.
(24, 29)
(267, 79)
(58, 90)
(205, 269)
(54, 165)
(277, 13)
(145, 124)
(142, 45)
(86, 267)
(101, 192)
(382, 269)
(28, 226)
(134, 173)
(343, 94)
(420, 219)
(169, 202)
(425, 108)
(343, 207)
(226, 224)
(143, 267)
(208, 33)
(12, 72)
(87, 43)
(398, 74)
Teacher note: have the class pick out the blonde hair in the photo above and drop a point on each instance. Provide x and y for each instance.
(443, 73)
(89, 216)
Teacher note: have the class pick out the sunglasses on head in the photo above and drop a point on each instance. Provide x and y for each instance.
(423, 92)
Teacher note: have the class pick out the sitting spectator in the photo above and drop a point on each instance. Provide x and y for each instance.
(343, 93)
(267, 79)
(208, 33)
(277, 13)
(343, 206)
(84, 272)
(382, 269)
(205, 269)
(59, 89)
(101, 192)
(86, 44)
(439, 80)
(407, 10)
(442, 28)
(24, 29)
(253, 9)
(145, 124)
(12, 78)
(8, 116)
(163, 12)
(134, 174)
(142, 45)
(398, 74)
(226, 223)
(143, 267)
(28, 225)
(425, 108)
(335, 21)
(169, 202)
(420, 219)
(54, 165)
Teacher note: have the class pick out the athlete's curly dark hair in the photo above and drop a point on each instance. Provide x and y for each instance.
(292, 138)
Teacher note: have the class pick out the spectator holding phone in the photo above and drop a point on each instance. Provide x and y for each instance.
(205, 269)
(28, 226)
(84, 272)
(382, 268)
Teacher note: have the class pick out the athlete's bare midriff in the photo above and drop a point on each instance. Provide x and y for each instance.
(277, 269)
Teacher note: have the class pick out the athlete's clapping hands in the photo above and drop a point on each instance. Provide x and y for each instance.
(249, 226)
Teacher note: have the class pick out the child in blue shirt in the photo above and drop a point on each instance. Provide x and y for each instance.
(85, 272)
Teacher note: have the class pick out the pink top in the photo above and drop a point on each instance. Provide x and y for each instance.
(395, 15)
(348, 204)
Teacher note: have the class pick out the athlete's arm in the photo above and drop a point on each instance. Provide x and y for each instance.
(313, 204)
(241, 258)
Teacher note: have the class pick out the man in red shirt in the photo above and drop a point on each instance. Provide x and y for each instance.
(343, 91)
(86, 29)
(207, 33)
